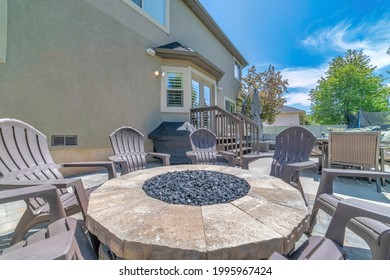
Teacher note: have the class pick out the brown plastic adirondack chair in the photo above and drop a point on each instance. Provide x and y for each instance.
(62, 239)
(204, 148)
(25, 160)
(375, 234)
(293, 147)
(330, 247)
(129, 149)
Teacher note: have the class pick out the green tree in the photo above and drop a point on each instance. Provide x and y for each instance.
(349, 86)
(270, 85)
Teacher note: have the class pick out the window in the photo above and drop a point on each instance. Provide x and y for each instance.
(63, 140)
(201, 93)
(183, 88)
(175, 89)
(230, 105)
(237, 70)
(155, 10)
(195, 94)
(3, 30)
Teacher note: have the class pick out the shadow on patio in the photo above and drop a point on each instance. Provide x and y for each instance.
(355, 247)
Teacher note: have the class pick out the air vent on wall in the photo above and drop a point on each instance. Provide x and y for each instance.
(63, 140)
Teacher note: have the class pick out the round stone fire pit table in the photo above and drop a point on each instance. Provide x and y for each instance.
(272, 216)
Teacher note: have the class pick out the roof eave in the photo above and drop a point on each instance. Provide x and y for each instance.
(194, 57)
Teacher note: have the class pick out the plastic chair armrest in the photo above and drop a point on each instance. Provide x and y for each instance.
(192, 156)
(122, 163)
(302, 165)
(329, 174)
(164, 157)
(106, 164)
(246, 159)
(350, 208)
(59, 247)
(47, 192)
(229, 156)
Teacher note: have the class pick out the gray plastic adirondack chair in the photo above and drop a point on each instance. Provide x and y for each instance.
(62, 239)
(330, 247)
(376, 234)
(25, 160)
(204, 148)
(129, 149)
(293, 147)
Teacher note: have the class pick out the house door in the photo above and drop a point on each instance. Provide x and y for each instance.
(201, 94)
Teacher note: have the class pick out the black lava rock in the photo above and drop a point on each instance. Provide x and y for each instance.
(198, 187)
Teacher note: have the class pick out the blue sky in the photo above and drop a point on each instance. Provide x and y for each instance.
(301, 37)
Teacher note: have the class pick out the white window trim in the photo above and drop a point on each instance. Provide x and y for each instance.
(205, 80)
(235, 61)
(3, 31)
(197, 74)
(225, 98)
(188, 73)
(186, 87)
(208, 81)
(165, 27)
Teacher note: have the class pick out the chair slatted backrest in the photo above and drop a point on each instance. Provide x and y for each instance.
(128, 144)
(292, 145)
(354, 148)
(204, 145)
(24, 153)
(25, 156)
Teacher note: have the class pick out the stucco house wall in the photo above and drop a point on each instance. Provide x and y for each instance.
(79, 67)
(287, 119)
(3, 30)
(289, 116)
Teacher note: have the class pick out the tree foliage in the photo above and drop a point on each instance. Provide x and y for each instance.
(349, 86)
(270, 85)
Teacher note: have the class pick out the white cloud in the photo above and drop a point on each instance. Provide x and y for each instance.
(303, 77)
(372, 38)
(301, 80)
(297, 98)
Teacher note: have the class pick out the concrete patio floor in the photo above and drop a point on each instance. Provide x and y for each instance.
(355, 247)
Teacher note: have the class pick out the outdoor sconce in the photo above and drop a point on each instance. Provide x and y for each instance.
(159, 74)
(150, 52)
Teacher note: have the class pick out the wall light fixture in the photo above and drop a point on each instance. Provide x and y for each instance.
(159, 74)
(150, 52)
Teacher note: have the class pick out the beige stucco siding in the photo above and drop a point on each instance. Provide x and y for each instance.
(3, 30)
(189, 30)
(73, 70)
(79, 67)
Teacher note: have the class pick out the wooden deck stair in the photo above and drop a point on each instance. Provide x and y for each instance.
(235, 132)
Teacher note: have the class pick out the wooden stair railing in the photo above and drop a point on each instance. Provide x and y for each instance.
(234, 132)
(251, 131)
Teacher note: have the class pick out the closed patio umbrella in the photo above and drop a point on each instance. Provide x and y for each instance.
(256, 111)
